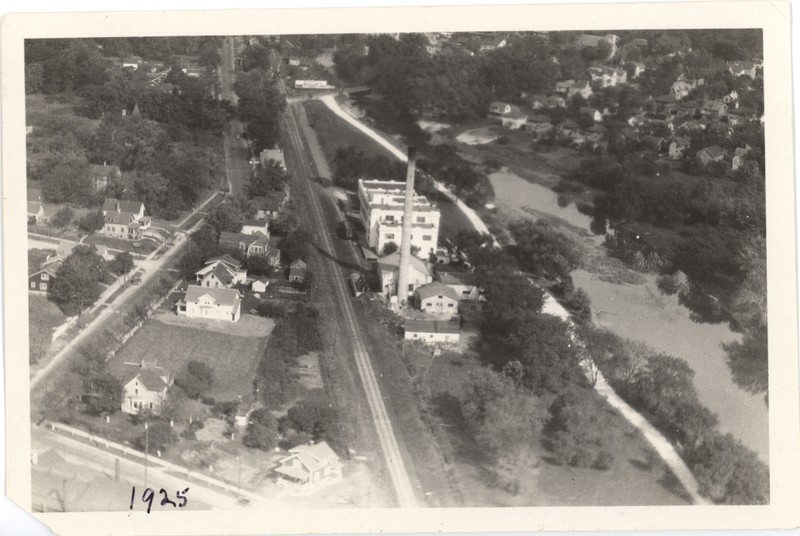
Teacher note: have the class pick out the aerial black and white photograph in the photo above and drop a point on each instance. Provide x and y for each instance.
(397, 270)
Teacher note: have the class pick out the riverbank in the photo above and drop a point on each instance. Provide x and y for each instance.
(629, 303)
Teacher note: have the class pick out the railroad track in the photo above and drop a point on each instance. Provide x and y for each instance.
(401, 483)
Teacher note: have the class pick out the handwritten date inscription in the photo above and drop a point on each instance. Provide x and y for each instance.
(149, 497)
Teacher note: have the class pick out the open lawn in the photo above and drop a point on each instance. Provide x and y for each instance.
(628, 481)
(140, 247)
(234, 357)
(44, 316)
(334, 133)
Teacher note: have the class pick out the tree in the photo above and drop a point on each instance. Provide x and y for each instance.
(315, 417)
(226, 217)
(122, 263)
(103, 395)
(62, 217)
(196, 379)
(578, 429)
(91, 222)
(77, 283)
(542, 250)
(65, 179)
(295, 244)
(389, 248)
(267, 178)
(261, 431)
(260, 105)
(730, 473)
(34, 77)
(101, 391)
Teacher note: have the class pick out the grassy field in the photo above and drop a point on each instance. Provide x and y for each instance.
(233, 357)
(334, 133)
(43, 316)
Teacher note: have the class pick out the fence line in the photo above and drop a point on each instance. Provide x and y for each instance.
(163, 464)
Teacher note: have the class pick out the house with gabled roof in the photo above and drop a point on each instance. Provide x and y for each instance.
(539, 126)
(714, 109)
(253, 226)
(715, 153)
(309, 465)
(42, 280)
(211, 303)
(419, 273)
(462, 283)
(275, 154)
(678, 146)
(101, 175)
(436, 297)
(270, 206)
(146, 390)
(221, 272)
(250, 244)
(594, 113)
(35, 212)
(742, 68)
(297, 271)
(124, 219)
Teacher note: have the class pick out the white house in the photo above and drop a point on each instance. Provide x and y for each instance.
(221, 272)
(253, 226)
(147, 390)
(419, 273)
(276, 154)
(462, 283)
(212, 303)
(436, 298)
(431, 331)
(382, 215)
(307, 465)
(259, 284)
(124, 219)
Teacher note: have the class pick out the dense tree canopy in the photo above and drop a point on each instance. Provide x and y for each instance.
(260, 106)
(78, 279)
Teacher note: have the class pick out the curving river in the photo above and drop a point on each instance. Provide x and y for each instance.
(641, 312)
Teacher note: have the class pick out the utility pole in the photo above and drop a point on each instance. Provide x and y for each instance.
(146, 448)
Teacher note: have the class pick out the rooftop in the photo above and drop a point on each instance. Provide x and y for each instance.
(436, 289)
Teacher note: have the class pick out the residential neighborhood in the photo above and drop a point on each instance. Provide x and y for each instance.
(486, 269)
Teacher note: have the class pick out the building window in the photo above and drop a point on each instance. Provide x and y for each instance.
(33, 284)
(449, 304)
(151, 405)
(420, 219)
(390, 218)
(45, 277)
(390, 237)
(136, 391)
(410, 288)
(426, 238)
(43, 286)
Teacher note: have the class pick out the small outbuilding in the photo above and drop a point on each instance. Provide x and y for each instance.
(432, 331)
(436, 297)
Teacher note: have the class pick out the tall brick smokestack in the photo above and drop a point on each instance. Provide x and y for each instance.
(405, 239)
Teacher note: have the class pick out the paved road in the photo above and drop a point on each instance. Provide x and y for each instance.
(131, 471)
(151, 268)
(237, 154)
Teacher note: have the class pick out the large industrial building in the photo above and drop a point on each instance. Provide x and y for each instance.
(382, 216)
